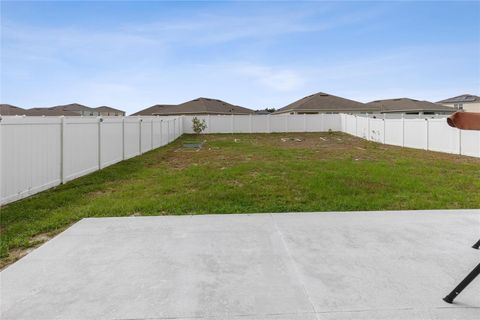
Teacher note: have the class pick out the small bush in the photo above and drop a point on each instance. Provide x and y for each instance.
(198, 126)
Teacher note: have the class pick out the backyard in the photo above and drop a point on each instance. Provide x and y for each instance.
(248, 173)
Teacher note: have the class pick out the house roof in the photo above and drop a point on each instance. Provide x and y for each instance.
(464, 98)
(324, 102)
(212, 106)
(49, 112)
(107, 109)
(156, 109)
(72, 107)
(10, 110)
(409, 105)
(196, 106)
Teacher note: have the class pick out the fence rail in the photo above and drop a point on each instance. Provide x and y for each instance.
(37, 153)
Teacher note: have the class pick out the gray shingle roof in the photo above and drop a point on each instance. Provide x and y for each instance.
(9, 110)
(50, 112)
(464, 98)
(73, 107)
(107, 109)
(196, 106)
(324, 102)
(409, 105)
(158, 108)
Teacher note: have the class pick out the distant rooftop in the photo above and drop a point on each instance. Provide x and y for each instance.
(324, 102)
(464, 98)
(49, 112)
(108, 109)
(73, 107)
(10, 110)
(196, 106)
(409, 105)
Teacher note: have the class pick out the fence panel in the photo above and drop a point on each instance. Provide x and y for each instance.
(376, 130)
(163, 132)
(279, 123)
(332, 122)
(242, 124)
(394, 132)
(362, 127)
(219, 124)
(146, 134)
(415, 135)
(29, 156)
(350, 124)
(470, 143)
(295, 123)
(131, 137)
(80, 147)
(314, 123)
(187, 125)
(260, 123)
(111, 143)
(442, 137)
(157, 133)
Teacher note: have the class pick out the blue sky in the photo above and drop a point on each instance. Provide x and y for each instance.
(132, 55)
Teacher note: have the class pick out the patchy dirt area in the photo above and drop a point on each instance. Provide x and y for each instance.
(223, 149)
(18, 253)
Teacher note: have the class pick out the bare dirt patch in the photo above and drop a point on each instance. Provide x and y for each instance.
(18, 253)
(223, 150)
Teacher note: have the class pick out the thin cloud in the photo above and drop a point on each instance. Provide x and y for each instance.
(273, 78)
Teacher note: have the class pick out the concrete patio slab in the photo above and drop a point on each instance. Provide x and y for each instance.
(355, 265)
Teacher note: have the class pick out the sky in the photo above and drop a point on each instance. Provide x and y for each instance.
(131, 55)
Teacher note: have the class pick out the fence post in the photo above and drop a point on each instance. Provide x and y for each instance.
(403, 129)
(356, 126)
(168, 131)
(286, 122)
(427, 131)
(384, 126)
(268, 124)
(209, 123)
(151, 135)
(368, 127)
(459, 141)
(175, 125)
(100, 120)
(251, 123)
(62, 149)
(304, 122)
(322, 122)
(161, 133)
(140, 136)
(123, 138)
(233, 124)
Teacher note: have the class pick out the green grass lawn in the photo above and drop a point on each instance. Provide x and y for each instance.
(248, 174)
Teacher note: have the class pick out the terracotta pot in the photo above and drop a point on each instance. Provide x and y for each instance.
(465, 120)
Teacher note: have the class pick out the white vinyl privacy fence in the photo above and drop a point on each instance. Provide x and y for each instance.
(427, 134)
(37, 153)
(266, 123)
